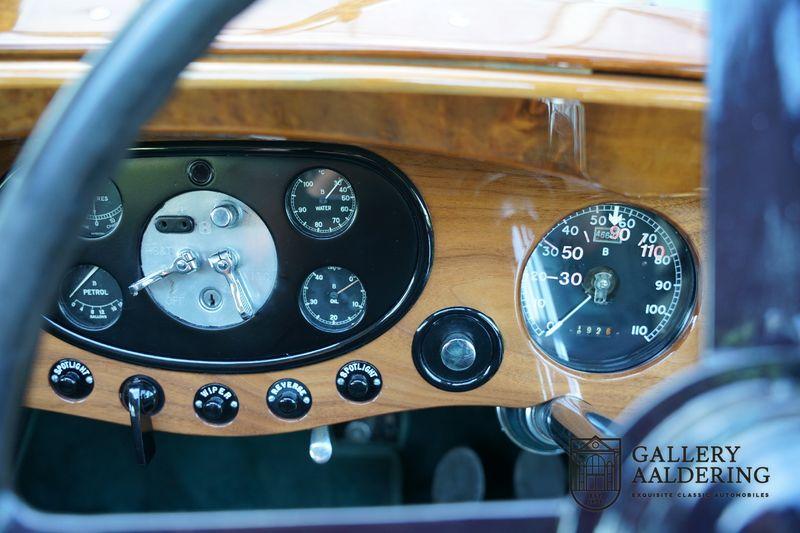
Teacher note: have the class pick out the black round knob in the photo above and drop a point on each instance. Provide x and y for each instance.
(68, 383)
(289, 398)
(216, 404)
(287, 401)
(71, 379)
(457, 349)
(357, 385)
(358, 381)
(213, 407)
(200, 172)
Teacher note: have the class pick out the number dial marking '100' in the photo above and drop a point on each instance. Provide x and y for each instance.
(321, 203)
(608, 288)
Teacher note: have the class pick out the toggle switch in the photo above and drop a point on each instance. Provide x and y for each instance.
(142, 397)
(185, 263)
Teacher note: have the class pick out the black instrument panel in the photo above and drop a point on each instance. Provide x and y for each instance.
(387, 244)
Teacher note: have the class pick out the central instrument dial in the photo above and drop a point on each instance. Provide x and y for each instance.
(208, 260)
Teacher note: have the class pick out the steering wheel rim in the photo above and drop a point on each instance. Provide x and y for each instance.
(83, 135)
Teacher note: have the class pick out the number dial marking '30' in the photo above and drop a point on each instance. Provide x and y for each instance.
(608, 288)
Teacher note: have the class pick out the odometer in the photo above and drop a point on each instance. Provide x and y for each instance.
(608, 288)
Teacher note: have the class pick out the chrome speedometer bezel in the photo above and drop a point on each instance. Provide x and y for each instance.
(679, 323)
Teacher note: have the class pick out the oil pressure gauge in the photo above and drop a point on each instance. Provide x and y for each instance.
(90, 298)
(332, 299)
(608, 288)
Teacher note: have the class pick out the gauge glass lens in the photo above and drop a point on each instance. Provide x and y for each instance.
(90, 298)
(333, 299)
(321, 203)
(104, 213)
(608, 288)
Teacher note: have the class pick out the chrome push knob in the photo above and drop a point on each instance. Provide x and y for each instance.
(225, 216)
(458, 352)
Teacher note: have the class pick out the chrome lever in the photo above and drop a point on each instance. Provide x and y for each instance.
(186, 263)
(224, 262)
(320, 448)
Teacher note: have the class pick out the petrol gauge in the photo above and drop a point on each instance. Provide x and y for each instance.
(90, 298)
(608, 288)
(321, 203)
(104, 214)
(333, 299)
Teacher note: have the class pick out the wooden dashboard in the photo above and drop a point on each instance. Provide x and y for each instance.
(499, 156)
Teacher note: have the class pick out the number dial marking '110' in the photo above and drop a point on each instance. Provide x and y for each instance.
(608, 288)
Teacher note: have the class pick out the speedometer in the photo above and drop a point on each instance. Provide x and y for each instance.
(608, 288)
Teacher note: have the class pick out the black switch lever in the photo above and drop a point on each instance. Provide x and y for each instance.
(143, 398)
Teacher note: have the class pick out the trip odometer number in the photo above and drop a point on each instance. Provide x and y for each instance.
(608, 288)
(321, 203)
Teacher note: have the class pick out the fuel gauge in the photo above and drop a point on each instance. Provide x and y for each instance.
(90, 298)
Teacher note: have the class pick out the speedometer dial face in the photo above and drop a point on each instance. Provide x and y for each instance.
(105, 212)
(321, 203)
(608, 288)
(333, 299)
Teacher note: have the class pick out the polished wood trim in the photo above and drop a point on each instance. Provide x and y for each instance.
(345, 77)
(629, 149)
(486, 219)
(633, 38)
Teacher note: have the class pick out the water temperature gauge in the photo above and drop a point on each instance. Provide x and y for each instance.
(90, 298)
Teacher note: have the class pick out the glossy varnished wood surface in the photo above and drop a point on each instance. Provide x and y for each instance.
(636, 37)
(632, 149)
(486, 218)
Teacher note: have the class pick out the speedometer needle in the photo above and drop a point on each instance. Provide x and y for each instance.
(560, 323)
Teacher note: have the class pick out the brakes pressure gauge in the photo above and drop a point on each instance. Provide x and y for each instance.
(104, 214)
(90, 298)
(608, 288)
(321, 203)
